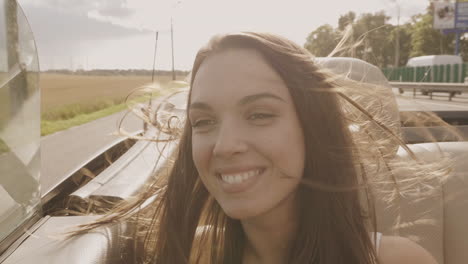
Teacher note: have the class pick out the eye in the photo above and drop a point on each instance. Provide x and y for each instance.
(203, 123)
(260, 116)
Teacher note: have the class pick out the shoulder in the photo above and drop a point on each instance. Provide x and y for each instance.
(399, 250)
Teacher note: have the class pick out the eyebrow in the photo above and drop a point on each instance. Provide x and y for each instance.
(251, 98)
(246, 100)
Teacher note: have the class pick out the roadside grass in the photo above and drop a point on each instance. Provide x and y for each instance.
(74, 115)
(4, 106)
(55, 125)
(66, 116)
(3, 147)
(70, 111)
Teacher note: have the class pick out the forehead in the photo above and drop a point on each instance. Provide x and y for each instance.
(234, 73)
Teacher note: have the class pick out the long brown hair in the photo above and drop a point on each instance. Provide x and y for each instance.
(332, 226)
(185, 224)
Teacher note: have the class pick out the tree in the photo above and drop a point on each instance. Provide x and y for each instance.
(345, 20)
(464, 47)
(322, 41)
(425, 40)
(373, 38)
(374, 31)
(405, 42)
(370, 40)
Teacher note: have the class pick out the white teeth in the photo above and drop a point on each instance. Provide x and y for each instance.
(239, 177)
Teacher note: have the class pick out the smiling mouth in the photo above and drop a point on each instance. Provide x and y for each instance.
(236, 178)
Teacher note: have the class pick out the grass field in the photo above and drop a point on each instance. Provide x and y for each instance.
(71, 100)
(59, 90)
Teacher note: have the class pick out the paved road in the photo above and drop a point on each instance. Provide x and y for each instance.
(439, 102)
(66, 151)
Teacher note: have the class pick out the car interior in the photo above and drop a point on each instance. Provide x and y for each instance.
(30, 235)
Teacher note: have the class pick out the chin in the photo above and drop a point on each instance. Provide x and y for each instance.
(241, 212)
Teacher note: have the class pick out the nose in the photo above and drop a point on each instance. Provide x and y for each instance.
(230, 141)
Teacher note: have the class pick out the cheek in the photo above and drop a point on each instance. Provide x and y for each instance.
(201, 152)
(286, 148)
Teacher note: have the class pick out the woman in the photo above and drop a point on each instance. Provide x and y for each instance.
(268, 169)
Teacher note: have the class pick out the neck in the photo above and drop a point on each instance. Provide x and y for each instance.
(270, 234)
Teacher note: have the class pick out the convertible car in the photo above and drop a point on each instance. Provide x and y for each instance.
(32, 219)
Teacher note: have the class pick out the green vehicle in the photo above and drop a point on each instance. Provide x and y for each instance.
(442, 61)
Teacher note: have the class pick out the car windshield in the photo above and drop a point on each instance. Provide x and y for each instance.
(19, 120)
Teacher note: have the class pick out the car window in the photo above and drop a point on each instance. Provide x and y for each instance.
(19, 120)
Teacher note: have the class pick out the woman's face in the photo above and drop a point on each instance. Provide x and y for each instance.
(247, 142)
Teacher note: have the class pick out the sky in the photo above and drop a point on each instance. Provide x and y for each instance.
(120, 34)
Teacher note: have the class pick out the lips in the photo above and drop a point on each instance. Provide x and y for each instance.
(235, 182)
(239, 177)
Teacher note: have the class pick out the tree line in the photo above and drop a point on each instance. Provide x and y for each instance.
(373, 39)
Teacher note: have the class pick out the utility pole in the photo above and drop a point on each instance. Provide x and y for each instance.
(172, 45)
(174, 6)
(457, 30)
(397, 39)
(154, 57)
